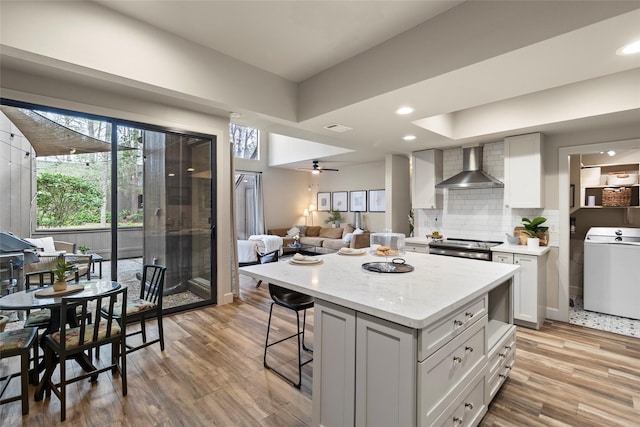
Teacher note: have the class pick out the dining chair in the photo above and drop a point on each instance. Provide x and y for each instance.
(297, 302)
(18, 343)
(147, 306)
(72, 342)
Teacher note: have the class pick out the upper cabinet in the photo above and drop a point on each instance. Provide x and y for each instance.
(609, 185)
(427, 172)
(523, 171)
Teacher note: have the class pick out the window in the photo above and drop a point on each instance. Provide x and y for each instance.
(245, 142)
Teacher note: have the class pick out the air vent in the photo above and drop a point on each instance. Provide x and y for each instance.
(337, 128)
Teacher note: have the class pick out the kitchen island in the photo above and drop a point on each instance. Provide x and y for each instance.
(429, 347)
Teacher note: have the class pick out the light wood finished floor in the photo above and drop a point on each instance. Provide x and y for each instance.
(211, 374)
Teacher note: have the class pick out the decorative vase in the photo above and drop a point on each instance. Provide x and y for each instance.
(533, 242)
(59, 286)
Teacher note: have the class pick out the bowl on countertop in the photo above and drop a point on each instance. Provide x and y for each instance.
(513, 240)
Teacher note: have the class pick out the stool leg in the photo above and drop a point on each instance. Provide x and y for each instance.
(24, 380)
(299, 349)
(266, 341)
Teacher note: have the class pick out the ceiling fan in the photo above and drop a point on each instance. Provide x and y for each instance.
(316, 168)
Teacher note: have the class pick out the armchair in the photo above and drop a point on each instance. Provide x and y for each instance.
(48, 252)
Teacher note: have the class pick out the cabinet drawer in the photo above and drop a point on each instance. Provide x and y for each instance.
(444, 374)
(502, 257)
(495, 382)
(435, 336)
(501, 352)
(417, 248)
(468, 409)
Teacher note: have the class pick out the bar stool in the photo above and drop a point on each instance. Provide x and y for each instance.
(297, 302)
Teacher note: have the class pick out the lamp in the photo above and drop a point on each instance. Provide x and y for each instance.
(311, 209)
(305, 214)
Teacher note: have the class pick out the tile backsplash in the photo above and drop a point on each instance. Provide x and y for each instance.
(479, 213)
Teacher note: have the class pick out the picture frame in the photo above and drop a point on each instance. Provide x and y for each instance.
(339, 201)
(377, 201)
(324, 202)
(358, 201)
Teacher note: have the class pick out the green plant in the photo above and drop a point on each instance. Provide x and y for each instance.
(532, 226)
(83, 249)
(61, 269)
(334, 216)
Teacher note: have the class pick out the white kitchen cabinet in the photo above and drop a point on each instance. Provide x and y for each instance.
(524, 171)
(334, 364)
(530, 287)
(427, 172)
(372, 372)
(385, 360)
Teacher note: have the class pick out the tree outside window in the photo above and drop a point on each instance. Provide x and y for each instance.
(245, 141)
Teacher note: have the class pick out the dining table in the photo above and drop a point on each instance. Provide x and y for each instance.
(32, 299)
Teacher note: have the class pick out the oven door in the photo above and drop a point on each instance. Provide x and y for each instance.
(483, 255)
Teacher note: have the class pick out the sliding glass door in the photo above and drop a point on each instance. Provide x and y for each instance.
(127, 193)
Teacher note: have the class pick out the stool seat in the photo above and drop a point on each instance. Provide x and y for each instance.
(291, 299)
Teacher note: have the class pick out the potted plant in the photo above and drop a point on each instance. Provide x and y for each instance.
(536, 234)
(60, 274)
(334, 218)
(84, 249)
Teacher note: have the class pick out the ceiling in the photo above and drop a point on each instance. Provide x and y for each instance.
(474, 71)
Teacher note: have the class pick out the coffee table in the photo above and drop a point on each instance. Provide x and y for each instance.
(300, 248)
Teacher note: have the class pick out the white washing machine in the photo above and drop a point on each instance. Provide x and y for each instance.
(612, 271)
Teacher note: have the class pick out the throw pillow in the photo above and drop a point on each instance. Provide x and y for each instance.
(303, 229)
(313, 231)
(358, 231)
(331, 233)
(347, 237)
(45, 244)
(293, 231)
(347, 228)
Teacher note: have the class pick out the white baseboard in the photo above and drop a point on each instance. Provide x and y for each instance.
(554, 314)
(227, 298)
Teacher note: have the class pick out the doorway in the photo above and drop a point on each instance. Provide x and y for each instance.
(566, 211)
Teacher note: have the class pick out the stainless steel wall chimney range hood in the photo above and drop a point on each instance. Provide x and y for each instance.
(472, 175)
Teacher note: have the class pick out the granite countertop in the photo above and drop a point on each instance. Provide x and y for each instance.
(437, 286)
(521, 249)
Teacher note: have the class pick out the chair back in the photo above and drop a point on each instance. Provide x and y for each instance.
(86, 334)
(152, 284)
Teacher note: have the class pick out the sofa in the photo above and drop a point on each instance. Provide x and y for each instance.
(325, 239)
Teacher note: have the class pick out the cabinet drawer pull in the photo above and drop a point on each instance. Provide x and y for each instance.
(457, 359)
(502, 375)
(508, 347)
(469, 315)
(469, 349)
(468, 405)
(457, 421)
(457, 322)
(503, 355)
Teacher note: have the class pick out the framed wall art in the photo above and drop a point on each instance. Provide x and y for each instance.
(358, 201)
(376, 201)
(324, 202)
(339, 201)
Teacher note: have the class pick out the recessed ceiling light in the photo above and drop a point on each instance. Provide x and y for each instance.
(404, 110)
(172, 174)
(629, 49)
(190, 169)
(611, 153)
(409, 137)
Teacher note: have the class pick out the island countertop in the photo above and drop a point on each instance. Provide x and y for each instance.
(438, 285)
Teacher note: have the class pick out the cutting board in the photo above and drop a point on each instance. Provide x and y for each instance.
(49, 292)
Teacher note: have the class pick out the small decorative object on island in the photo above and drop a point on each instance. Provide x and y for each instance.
(60, 273)
(411, 223)
(534, 233)
(334, 218)
(296, 240)
(84, 249)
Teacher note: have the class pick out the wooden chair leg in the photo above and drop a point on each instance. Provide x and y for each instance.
(24, 380)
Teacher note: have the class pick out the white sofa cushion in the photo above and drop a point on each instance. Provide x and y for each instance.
(45, 244)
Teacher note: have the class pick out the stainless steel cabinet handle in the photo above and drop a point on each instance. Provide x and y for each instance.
(457, 322)
(469, 349)
(457, 359)
(468, 405)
